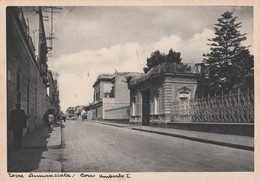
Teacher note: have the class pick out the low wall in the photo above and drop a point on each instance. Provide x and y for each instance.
(117, 113)
(123, 121)
(243, 129)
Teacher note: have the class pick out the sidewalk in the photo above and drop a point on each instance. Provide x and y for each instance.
(42, 138)
(234, 141)
(38, 153)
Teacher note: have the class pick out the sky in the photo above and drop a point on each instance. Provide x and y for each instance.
(98, 39)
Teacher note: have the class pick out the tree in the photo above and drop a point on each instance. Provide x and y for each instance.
(155, 59)
(159, 58)
(244, 65)
(173, 57)
(228, 62)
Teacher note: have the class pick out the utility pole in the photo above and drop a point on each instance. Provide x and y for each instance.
(51, 9)
(28, 27)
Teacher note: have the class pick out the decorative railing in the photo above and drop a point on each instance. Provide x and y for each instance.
(230, 108)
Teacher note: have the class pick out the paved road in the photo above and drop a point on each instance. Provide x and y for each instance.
(92, 147)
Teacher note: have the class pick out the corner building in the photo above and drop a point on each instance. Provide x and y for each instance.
(111, 97)
(153, 93)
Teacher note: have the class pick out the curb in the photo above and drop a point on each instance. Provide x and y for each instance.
(55, 143)
(243, 147)
(112, 125)
(231, 145)
(54, 146)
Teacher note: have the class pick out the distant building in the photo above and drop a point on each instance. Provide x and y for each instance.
(152, 93)
(111, 97)
(78, 109)
(70, 112)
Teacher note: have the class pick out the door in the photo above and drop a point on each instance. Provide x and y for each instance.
(146, 108)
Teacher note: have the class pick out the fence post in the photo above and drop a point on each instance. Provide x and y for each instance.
(238, 92)
(238, 107)
(214, 105)
(248, 96)
(223, 107)
(209, 115)
(248, 110)
(230, 117)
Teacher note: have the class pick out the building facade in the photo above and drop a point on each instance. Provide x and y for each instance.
(26, 74)
(111, 97)
(152, 93)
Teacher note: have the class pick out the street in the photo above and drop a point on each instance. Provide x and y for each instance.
(94, 147)
(157, 93)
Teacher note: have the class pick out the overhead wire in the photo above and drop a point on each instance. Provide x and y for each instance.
(66, 11)
(65, 19)
(56, 28)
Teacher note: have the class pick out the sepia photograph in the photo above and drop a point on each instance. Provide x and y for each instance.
(115, 90)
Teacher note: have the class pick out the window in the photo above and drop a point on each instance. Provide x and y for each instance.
(97, 96)
(113, 91)
(28, 96)
(108, 95)
(134, 106)
(184, 96)
(156, 102)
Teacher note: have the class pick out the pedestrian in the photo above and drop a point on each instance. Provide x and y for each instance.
(64, 118)
(17, 123)
(46, 119)
(84, 116)
(55, 119)
(58, 118)
(51, 120)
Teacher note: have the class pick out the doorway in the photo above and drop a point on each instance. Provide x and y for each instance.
(146, 108)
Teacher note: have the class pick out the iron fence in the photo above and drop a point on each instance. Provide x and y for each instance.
(230, 108)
